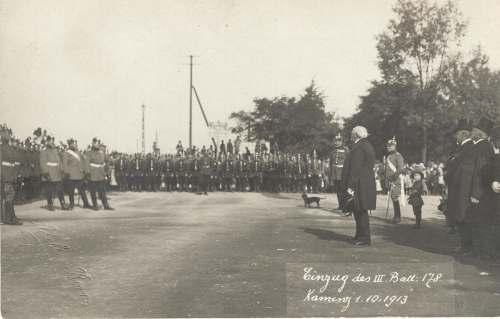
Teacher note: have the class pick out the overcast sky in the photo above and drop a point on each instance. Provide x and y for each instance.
(84, 68)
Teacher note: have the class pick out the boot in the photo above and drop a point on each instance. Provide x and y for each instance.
(63, 206)
(397, 212)
(13, 219)
(4, 215)
(417, 224)
(94, 201)
(50, 204)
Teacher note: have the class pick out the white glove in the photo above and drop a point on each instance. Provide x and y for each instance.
(496, 187)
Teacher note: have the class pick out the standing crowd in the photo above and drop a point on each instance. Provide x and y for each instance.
(469, 182)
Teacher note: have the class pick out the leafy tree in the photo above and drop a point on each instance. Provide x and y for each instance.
(416, 52)
(291, 125)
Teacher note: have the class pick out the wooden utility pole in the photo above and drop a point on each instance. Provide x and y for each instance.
(191, 104)
(143, 138)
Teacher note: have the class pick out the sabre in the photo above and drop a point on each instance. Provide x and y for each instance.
(388, 201)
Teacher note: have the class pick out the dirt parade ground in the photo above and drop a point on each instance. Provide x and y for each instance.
(160, 255)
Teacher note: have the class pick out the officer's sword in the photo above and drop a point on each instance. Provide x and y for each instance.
(388, 201)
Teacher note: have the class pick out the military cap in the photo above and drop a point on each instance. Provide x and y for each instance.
(71, 141)
(50, 137)
(392, 142)
(96, 140)
(5, 128)
(338, 138)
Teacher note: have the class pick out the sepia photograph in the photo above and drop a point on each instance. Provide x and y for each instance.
(250, 159)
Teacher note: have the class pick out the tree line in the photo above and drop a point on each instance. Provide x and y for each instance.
(427, 83)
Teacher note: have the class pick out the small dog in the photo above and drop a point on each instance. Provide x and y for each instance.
(309, 200)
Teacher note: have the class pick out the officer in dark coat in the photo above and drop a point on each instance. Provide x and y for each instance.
(484, 219)
(182, 171)
(271, 175)
(194, 173)
(465, 145)
(37, 171)
(94, 163)
(314, 172)
(137, 172)
(73, 170)
(337, 158)
(285, 171)
(152, 171)
(241, 173)
(206, 163)
(256, 170)
(299, 173)
(50, 162)
(122, 172)
(358, 181)
(227, 169)
(229, 147)
(8, 159)
(393, 174)
(215, 179)
(168, 172)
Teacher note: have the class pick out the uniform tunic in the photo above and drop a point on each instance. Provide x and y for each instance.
(337, 158)
(94, 165)
(50, 162)
(73, 164)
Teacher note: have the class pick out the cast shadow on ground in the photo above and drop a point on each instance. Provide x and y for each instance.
(324, 234)
(431, 238)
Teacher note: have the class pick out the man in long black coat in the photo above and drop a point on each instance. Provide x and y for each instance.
(484, 219)
(358, 180)
(465, 145)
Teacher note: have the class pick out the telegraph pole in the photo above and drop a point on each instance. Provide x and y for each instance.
(143, 138)
(191, 104)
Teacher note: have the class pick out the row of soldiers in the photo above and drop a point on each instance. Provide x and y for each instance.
(25, 167)
(203, 172)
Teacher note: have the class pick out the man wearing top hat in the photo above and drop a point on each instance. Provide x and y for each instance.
(8, 158)
(495, 185)
(73, 170)
(393, 171)
(483, 215)
(50, 163)
(94, 163)
(337, 158)
(455, 195)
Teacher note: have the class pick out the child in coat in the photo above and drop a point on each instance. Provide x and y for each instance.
(415, 198)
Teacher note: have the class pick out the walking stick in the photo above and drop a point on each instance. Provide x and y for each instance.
(22, 195)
